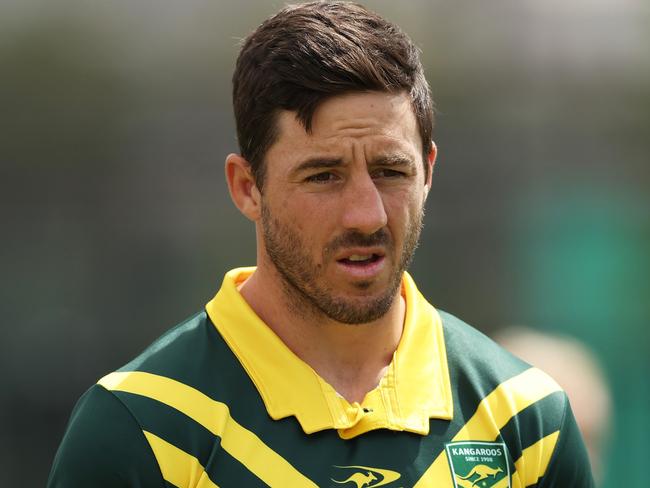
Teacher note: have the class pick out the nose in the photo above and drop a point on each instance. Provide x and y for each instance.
(363, 206)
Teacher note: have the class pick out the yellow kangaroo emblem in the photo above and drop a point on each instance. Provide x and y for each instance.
(362, 480)
(482, 471)
(366, 477)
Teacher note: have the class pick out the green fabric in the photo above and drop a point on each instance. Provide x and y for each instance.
(104, 445)
(569, 465)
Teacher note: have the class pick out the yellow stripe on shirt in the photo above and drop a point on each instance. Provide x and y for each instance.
(239, 442)
(178, 467)
(534, 460)
(494, 411)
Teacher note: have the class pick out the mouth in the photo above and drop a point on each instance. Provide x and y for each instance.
(360, 259)
(363, 264)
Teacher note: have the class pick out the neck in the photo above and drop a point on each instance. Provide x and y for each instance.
(351, 358)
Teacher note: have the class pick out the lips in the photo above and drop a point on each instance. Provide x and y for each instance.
(360, 259)
(360, 254)
(361, 263)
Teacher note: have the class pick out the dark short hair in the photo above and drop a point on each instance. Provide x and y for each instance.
(310, 52)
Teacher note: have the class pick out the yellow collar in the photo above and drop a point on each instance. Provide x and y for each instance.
(414, 389)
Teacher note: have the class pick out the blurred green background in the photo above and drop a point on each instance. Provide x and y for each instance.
(115, 119)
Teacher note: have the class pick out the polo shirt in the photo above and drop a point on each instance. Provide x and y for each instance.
(220, 400)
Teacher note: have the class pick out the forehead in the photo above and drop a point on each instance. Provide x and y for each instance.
(348, 125)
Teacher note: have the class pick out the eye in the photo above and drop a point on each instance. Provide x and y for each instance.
(388, 173)
(323, 177)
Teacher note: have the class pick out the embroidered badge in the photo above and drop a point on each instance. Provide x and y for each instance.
(477, 464)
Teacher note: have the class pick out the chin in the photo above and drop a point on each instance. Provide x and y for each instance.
(362, 285)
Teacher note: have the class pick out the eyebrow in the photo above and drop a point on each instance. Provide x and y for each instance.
(318, 163)
(396, 159)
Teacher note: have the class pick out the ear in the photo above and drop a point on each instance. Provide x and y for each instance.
(242, 187)
(431, 161)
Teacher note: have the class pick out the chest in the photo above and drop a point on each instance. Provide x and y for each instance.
(280, 454)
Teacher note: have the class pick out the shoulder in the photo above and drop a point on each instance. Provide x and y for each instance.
(469, 349)
(172, 350)
(479, 365)
(502, 386)
(189, 365)
(191, 357)
(103, 446)
(497, 393)
(189, 353)
(167, 392)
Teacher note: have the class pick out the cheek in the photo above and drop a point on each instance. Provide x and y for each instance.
(402, 204)
(308, 214)
(308, 227)
(402, 212)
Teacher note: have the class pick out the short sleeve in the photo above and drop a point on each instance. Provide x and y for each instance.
(569, 465)
(104, 446)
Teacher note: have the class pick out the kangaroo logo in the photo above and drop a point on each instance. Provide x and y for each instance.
(482, 471)
(365, 477)
(362, 480)
(475, 464)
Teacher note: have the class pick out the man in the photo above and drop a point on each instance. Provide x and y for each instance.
(324, 366)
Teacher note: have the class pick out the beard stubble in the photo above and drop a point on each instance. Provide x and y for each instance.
(301, 275)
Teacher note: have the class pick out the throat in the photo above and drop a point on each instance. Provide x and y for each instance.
(352, 357)
(354, 384)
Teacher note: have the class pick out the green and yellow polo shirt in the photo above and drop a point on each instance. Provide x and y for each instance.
(220, 401)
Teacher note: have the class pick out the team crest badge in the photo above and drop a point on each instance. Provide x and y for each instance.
(478, 464)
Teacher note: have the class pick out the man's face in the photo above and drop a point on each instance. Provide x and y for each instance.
(342, 207)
